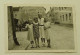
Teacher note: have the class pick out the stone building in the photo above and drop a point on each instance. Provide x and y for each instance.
(62, 15)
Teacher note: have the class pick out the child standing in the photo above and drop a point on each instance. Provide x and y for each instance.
(36, 32)
(30, 33)
(47, 32)
(41, 29)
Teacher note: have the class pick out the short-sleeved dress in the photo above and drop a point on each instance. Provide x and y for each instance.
(36, 30)
(41, 27)
(47, 31)
(30, 36)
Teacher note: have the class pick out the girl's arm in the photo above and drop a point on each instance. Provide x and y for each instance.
(27, 26)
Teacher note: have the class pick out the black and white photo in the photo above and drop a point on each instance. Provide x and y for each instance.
(40, 28)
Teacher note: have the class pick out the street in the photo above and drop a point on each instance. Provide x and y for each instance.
(62, 38)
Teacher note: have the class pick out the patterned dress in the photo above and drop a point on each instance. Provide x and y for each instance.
(36, 30)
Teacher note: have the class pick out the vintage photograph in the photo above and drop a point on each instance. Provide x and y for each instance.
(40, 28)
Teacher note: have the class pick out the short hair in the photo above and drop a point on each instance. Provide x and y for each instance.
(35, 18)
(30, 20)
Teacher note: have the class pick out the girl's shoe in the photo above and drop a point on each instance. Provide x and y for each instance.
(43, 45)
(39, 46)
(49, 46)
(32, 47)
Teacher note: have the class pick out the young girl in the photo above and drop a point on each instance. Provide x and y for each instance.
(47, 31)
(30, 33)
(41, 29)
(36, 32)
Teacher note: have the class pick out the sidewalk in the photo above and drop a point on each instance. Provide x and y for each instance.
(22, 39)
(41, 47)
(62, 38)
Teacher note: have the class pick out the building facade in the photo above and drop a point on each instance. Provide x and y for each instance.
(62, 15)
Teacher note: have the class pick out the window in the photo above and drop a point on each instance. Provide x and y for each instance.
(66, 17)
(60, 18)
(62, 8)
(69, 16)
(15, 14)
(63, 17)
(59, 8)
(65, 7)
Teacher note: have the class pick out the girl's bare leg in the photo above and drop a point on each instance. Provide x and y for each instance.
(32, 42)
(48, 41)
(38, 42)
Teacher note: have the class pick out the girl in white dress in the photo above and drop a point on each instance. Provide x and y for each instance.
(30, 33)
(41, 29)
(47, 31)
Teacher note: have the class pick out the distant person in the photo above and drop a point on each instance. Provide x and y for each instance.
(20, 28)
(30, 33)
(36, 32)
(16, 24)
(41, 28)
(47, 31)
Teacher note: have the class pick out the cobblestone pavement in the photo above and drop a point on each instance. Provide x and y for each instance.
(62, 38)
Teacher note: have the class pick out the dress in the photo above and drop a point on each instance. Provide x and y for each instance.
(47, 31)
(41, 27)
(30, 36)
(36, 30)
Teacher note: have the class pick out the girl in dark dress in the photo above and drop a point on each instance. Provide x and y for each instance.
(36, 32)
